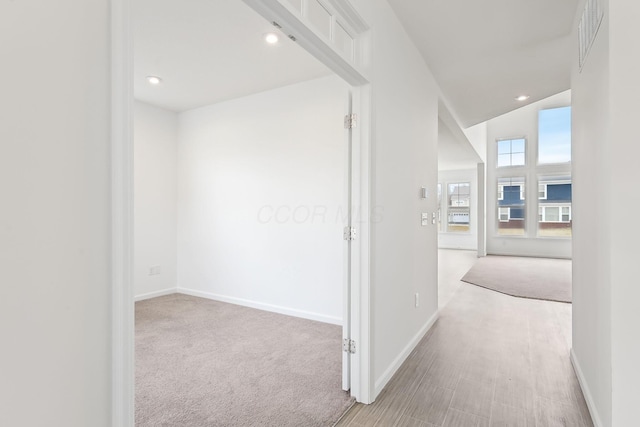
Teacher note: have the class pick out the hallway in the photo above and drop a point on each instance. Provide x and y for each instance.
(490, 360)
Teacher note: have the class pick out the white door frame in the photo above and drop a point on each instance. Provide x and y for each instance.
(122, 299)
(122, 312)
(295, 24)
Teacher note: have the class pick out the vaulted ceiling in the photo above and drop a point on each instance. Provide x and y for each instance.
(482, 53)
(485, 53)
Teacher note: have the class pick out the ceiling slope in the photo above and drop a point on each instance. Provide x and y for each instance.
(484, 54)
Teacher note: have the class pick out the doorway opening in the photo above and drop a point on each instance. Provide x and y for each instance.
(354, 296)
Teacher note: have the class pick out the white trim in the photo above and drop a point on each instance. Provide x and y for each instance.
(362, 164)
(263, 306)
(122, 198)
(542, 211)
(595, 417)
(349, 15)
(155, 294)
(273, 10)
(398, 361)
(500, 214)
(313, 42)
(544, 191)
(122, 305)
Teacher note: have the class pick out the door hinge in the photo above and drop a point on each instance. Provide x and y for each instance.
(351, 121)
(349, 233)
(349, 346)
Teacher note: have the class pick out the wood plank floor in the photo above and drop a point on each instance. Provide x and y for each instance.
(490, 360)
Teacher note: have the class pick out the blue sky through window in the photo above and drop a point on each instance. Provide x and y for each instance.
(554, 135)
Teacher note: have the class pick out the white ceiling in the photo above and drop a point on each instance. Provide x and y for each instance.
(207, 51)
(485, 53)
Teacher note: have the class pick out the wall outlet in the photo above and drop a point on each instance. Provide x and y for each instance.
(417, 299)
(154, 270)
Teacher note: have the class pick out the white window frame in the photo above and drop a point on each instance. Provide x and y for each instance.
(511, 153)
(500, 214)
(451, 207)
(542, 211)
(542, 188)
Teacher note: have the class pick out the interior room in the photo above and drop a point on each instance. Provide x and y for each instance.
(241, 174)
(68, 239)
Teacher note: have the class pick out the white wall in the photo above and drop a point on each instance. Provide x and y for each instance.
(625, 293)
(405, 139)
(261, 200)
(591, 344)
(522, 122)
(155, 202)
(477, 136)
(449, 240)
(55, 291)
(606, 348)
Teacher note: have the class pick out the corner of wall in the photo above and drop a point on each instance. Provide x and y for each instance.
(595, 416)
(402, 357)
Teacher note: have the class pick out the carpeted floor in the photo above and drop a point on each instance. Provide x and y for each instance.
(538, 278)
(205, 363)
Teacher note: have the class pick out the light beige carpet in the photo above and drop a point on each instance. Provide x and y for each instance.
(538, 278)
(204, 363)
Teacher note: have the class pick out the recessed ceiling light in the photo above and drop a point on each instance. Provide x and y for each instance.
(271, 38)
(154, 80)
(522, 98)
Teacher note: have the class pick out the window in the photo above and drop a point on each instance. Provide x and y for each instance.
(511, 206)
(555, 214)
(504, 214)
(458, 207)
(542, 191)
(554, 210)
(511, 152)
(554, 136)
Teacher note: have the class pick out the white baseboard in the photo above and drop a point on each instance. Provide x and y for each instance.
(156, 294)
(263, 306)
(595, 417)
(395, 365)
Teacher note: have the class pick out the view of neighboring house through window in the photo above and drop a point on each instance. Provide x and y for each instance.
(458, 207)
(439, 207)
(554, 206)
(551, 173)
(554, 136)
(511, 206)
(511, 152)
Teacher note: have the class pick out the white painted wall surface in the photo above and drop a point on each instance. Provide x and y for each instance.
(55, 291)
(450, 240)
(623, 157)
(155, 204)
(477, 136)
(405, 139)
(522, 122)
(591, 343)
(261, 198)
